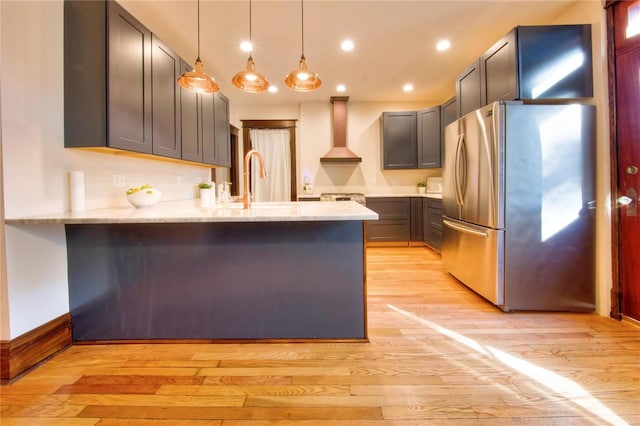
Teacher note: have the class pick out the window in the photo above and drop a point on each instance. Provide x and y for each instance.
(633, 20)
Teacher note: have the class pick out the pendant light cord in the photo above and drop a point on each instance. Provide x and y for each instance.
(198, 29)
(302, 20)
(250, 39)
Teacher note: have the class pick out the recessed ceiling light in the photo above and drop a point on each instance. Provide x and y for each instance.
(443, 45)
(407, 87)
(347, 45)
(273, 89)
(246, 46)
(341, 88)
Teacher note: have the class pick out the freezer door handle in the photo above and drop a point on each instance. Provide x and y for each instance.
(459, 169)
(464, 229)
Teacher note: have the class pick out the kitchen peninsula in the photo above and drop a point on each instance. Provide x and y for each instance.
(289, 271)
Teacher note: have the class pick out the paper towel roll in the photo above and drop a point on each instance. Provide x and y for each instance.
(76, 190)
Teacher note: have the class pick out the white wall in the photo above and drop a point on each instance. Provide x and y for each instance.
(4, 301)
(314, 137)
(35, 165)
(363, 138)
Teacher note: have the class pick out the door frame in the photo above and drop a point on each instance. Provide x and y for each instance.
(613, 156)
(616, 290)
(247, 125)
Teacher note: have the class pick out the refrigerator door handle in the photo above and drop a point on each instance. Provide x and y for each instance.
(456, 173)
(464, 229)
(463, 169)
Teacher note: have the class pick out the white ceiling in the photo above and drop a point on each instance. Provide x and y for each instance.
(394, 41)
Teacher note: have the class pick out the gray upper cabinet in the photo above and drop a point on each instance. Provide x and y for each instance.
(448, 112)
(165, 70)
(399, 140)
(190, 121)
(530, 63)
(539, 63)
(222, 131)
(468, 89)
(429, 152)
(411, 139)
(499, 71)
(107, 78)
(216, 137)
(107, 63)
(129, 81)
(120, 90)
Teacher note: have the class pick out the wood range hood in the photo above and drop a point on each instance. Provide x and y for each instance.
(339, 153)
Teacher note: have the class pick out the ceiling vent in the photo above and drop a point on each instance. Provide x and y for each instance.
(339, 153)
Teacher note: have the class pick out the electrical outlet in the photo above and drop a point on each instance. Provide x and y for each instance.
(119, 181)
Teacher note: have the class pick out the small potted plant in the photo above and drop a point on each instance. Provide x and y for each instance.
(422, 187)
(207, 194)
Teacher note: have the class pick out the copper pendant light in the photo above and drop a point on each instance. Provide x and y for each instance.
(198, 80)
(250, 80)
(302, 79)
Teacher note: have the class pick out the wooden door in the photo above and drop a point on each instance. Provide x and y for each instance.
(627, 94)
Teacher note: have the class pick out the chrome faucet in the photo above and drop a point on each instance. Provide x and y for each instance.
(246, 197)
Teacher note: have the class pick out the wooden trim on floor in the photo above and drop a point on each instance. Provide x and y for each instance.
(33, 347)
(211, 341)
(634, 322)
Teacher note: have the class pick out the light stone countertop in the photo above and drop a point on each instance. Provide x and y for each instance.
(190, 211)
(436, 195)
(425, 195)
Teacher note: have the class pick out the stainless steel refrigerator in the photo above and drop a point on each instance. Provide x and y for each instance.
(518, 205)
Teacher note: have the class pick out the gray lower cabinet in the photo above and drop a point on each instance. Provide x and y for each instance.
(432, 225)
(394, 220)
(417, 222)
(405, 220)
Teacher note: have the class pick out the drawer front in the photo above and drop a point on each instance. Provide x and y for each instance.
(391, 208)
(435, 220)
(435, 204)
(388, 231)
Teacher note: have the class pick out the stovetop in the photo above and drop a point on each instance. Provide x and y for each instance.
(343, 196)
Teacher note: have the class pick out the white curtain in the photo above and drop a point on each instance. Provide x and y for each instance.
(273, 145)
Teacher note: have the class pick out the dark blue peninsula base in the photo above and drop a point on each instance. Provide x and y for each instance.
(217, 280)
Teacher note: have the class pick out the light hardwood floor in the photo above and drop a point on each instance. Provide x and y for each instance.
(438, 355)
